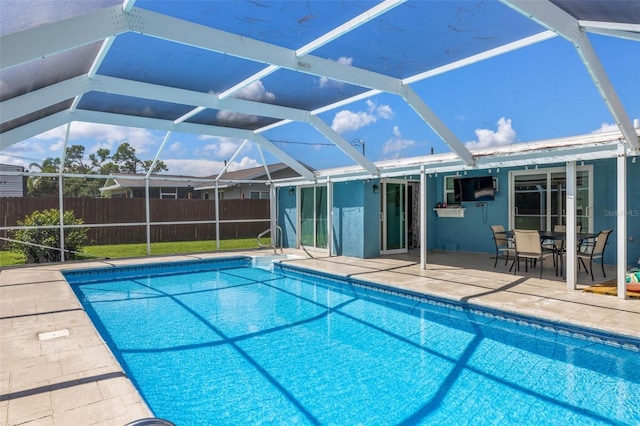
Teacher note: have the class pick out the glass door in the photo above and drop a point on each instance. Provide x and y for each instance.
(394, 217)
(539, 198)
(530, 201)
(313, 216)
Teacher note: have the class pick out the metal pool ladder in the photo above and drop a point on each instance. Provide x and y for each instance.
(273, 246)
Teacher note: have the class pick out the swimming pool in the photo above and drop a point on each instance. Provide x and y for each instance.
(222, 342)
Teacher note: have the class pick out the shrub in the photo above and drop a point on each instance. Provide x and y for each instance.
(49, 238)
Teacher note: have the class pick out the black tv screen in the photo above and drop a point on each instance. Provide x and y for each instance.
(473, 189)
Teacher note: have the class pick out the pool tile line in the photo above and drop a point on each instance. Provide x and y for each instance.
(135, 271)
(582, 333)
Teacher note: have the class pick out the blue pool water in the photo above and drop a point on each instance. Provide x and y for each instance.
(221, 342)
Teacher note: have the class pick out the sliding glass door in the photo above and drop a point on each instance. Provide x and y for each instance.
(393, 214)
(538, 198)
(313, 216)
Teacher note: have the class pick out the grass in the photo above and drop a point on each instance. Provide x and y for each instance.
(8, 258)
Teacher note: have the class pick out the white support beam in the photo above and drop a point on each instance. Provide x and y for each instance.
(621, 219)
(438, 126)
(231, 160)
(345, 146)
(622, 27)
(166, 138)
(38, 99)
(571, 263)
(556, 19)
(283, 156)
(349, 26)
(21, 133)
(179, 31)
(500, 50)
(47, 40)
(614, 33)
(158, 124)
(188, 97)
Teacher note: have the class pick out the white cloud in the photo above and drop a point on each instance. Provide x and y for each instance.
(325, 82)
(396, 144)
(485, 138)
(244, 163)
(103, 135)
(176, 146)
(346, 121)
(255, 92)
(224, 147)
(236, 118)
(606, 127)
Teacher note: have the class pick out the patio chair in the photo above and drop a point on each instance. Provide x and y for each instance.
(596, 251)
(502, 244)
(529, 247)
(557, 247)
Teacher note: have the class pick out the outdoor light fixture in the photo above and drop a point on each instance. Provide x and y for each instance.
(291, 190)
(376, 189)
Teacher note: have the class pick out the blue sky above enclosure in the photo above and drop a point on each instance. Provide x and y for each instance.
(217, 72)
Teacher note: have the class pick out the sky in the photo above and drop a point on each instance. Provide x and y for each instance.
(539, 92)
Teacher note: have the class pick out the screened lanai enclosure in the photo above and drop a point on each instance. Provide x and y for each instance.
(378, 111)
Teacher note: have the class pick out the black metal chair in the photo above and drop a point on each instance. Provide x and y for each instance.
(502, 244)
(595, 251)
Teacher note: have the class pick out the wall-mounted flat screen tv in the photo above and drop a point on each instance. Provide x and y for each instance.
(478, 188)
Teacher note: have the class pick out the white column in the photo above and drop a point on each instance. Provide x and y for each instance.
(61, 191)
(621, 217)
(571, 264)
(330, 217)
(217, 204)
(423, 219)
(273, 214)
(147, 214)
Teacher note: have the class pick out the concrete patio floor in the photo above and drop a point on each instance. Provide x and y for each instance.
(60, 379)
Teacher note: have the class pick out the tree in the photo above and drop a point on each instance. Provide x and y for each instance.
(124, 160)
(44, 243)
(127, 161)
(41, 186)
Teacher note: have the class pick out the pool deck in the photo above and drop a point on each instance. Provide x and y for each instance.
(56, 370)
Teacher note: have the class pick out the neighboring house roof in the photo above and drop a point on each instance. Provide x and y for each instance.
(278, 170)
(138, 181)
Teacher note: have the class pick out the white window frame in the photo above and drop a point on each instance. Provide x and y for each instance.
(549, 171)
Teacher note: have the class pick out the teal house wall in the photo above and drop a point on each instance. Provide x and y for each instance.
(471, 232)
(356, 218)
(355, 232)
(605, 206)
(287, 216)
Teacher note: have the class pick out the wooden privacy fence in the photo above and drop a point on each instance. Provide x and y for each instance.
(239, 218)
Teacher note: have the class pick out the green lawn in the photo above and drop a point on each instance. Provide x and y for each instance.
(8, 258)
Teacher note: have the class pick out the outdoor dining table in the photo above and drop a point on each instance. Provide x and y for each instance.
(557, 236)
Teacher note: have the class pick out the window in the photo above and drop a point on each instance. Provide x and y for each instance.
(537, 198)
(165, 194)
(449, 196)
(259, 195)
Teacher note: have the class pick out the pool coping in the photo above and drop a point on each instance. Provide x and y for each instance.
(36, 388)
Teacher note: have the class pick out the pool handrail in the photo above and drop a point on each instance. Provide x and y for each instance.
(273, 246)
